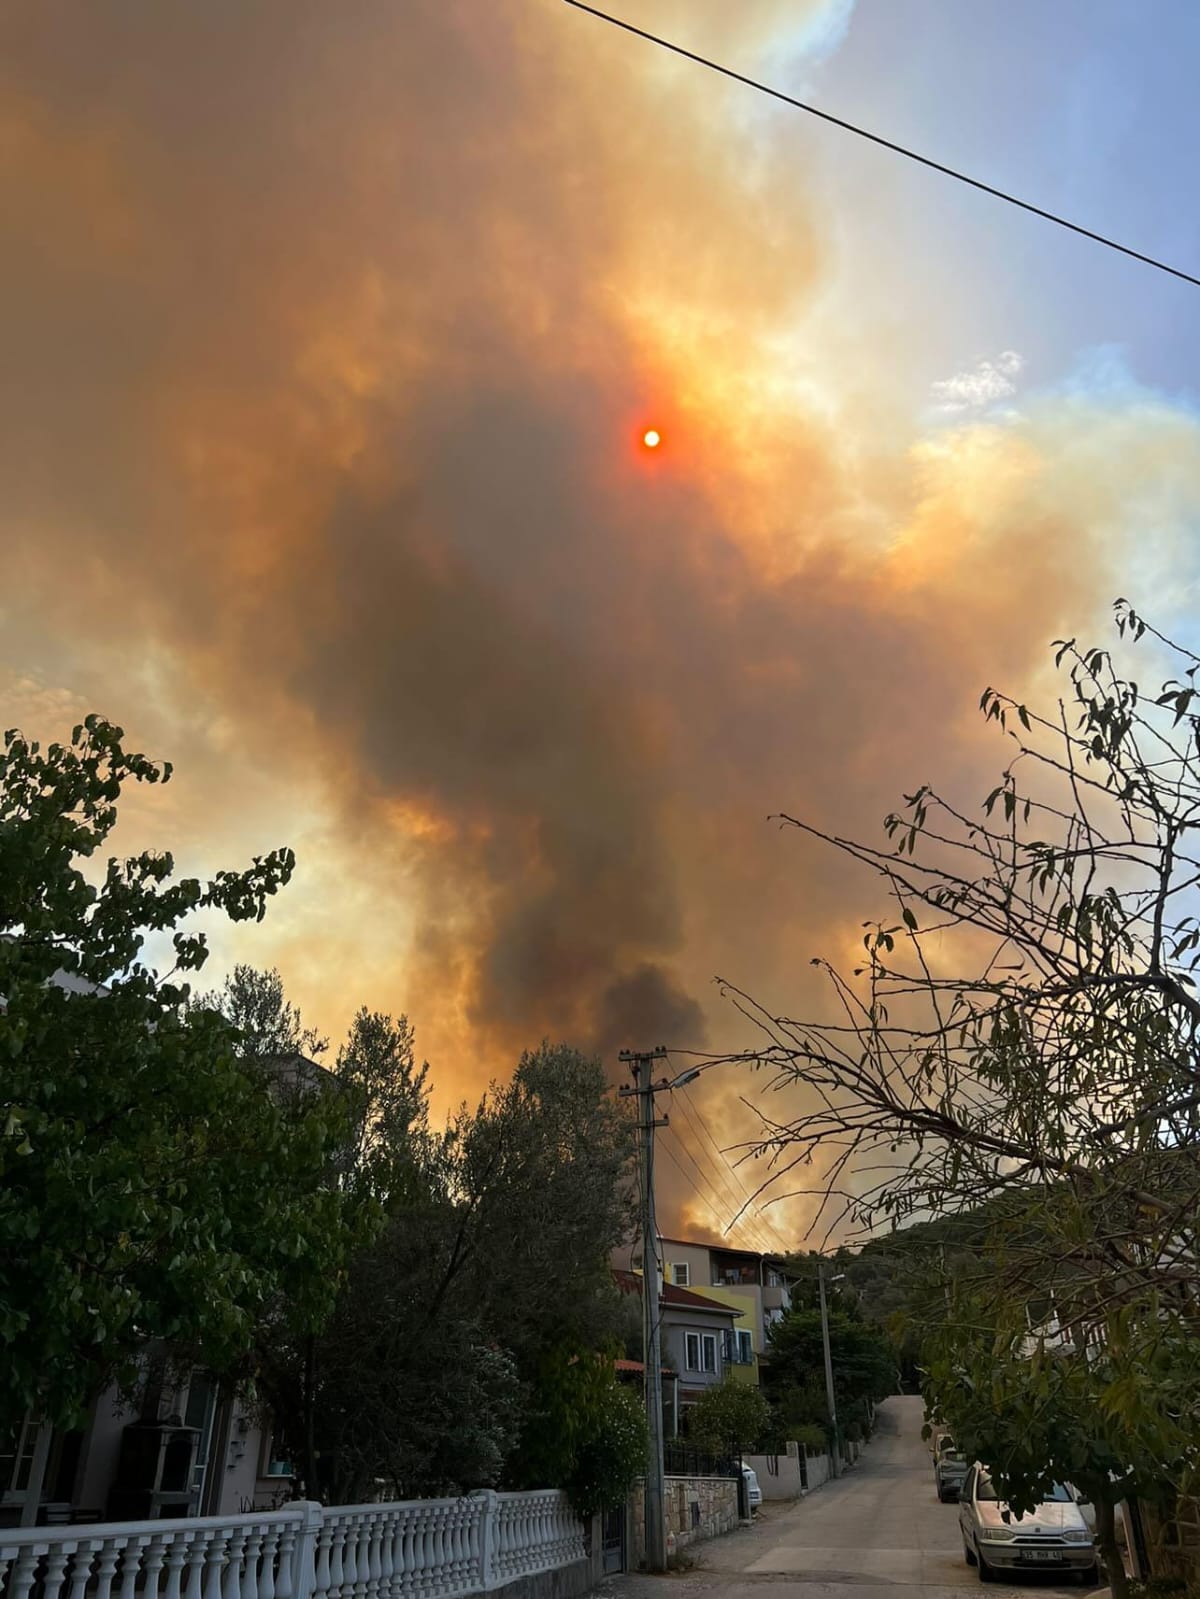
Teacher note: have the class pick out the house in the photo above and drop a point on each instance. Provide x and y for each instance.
(695, 1338)
(187, 1446)
(757, 1286)
(186, 1449)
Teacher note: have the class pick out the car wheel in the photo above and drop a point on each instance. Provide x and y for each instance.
(968, 1553)
(986, 1574)
(1090, 1577)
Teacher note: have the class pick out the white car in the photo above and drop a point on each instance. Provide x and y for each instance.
(753, 1491)
(1054, 1534)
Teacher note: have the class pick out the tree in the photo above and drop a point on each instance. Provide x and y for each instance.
(390, 1093)
(864, 1369)
(585, 1432)
(729, 1418)
(265, 1025)
(543, 1187)
(1024, 1026)
(489, 1277)
(152, 1185)
(1116, 1418)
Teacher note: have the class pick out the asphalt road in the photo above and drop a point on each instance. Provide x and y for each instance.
(877, 1531)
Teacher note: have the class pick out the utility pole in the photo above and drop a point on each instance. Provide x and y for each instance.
(641, 1065)
(835, 1457)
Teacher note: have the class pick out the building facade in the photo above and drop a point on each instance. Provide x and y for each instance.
(757, 1287)
(190, 1450)
(697, 1333)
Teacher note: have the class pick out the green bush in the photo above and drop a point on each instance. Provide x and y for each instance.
(584, 1431)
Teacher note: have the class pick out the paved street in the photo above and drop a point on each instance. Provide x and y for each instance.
(878, 1530)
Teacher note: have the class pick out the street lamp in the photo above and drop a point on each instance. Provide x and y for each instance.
(835, 1458)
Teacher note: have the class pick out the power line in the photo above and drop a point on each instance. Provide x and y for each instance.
(704, 1187)
(729, 1194)
(750, 1199)
(887, 144)
(701, 1185)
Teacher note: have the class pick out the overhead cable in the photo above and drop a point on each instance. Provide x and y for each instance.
(886, 144)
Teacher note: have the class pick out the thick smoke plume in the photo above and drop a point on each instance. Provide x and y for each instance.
(330, 334)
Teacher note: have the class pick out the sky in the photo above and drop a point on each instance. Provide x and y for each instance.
(329, 337)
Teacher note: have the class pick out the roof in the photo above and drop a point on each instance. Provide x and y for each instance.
(630, 1282)
(640, 1366)
(777, 1258)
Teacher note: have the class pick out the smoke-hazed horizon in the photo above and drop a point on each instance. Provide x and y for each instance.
(331, 337)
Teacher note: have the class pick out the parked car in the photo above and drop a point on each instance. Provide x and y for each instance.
(753, 1491)
(938, 1434)
(949, 1470)
(1054, 1534)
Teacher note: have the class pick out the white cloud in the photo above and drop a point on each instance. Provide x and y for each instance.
(980, 386)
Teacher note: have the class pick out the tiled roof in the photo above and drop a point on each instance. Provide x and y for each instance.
(638, 1365)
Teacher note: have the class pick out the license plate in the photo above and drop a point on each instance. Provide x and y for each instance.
(1039, 1554)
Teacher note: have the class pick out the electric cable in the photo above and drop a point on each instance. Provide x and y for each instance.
(886, 144)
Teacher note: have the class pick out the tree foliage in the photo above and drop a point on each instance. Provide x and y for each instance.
(1114, 1415)
(864, 1371)
(731, 1417)
(265, 1025)
(489, 1275)
(152, 1185)
(585, 1431)
(1025, 1021)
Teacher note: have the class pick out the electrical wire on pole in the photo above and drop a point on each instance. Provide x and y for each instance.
(717, 1199)
(749, 1200)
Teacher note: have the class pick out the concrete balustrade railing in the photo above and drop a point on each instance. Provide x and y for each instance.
(418, 1549)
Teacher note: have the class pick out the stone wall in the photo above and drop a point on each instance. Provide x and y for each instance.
(696, 1508)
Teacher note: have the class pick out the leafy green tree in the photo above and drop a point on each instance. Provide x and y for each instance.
(731, 1417)
(585, 1431)
(864, 1369)
(153, 1187)
(377, 1066)
(489, 1274)
(543, 1188)
(1115, 1417)
(265, 1025)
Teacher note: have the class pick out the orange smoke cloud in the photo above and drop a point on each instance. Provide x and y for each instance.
(332, 337)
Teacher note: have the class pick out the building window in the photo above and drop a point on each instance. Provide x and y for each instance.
(738, 1347)
(680, 1274)
(700, 1352)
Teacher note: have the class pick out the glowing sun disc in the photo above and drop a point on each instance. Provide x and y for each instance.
(651, 438)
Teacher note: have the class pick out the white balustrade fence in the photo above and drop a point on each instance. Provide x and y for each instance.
(420, 1549)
